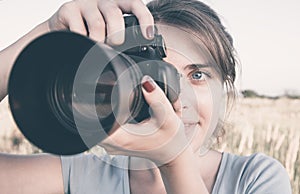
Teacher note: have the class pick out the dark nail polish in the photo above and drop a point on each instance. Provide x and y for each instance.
(150, 32)
(148, 85)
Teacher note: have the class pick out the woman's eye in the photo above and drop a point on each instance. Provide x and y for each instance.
(198, 75)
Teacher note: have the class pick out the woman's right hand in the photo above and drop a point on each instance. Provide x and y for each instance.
(95, 18)
(100, 18)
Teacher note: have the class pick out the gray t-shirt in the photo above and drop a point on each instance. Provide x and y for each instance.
(257, 173)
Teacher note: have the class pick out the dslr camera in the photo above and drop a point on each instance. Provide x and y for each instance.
(67, 93)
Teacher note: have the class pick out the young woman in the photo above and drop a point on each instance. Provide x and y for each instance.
(175, 141)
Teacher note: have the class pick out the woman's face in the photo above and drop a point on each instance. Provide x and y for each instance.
(201, 88)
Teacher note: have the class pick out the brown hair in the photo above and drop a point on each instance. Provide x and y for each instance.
(203, 22)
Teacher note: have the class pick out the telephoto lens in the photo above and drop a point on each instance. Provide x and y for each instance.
(67, 93)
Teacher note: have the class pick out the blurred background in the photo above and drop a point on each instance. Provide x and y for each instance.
(266, 117)
(266, 37)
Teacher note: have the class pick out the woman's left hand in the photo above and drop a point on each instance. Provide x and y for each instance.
(161, 138)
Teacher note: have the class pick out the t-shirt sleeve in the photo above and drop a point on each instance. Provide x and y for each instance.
(87, 173)
(266, 175)
(77, 172)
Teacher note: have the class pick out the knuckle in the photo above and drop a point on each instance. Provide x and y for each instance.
(134, 2)
(105, 5)
(66, 9)
(82, 1)
(114, 11)
(68, 6)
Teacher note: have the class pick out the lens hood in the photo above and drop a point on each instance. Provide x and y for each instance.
(31, 80)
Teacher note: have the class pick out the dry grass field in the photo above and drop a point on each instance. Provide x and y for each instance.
(256, 125)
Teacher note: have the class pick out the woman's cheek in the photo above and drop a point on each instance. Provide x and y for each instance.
(204, 106)
(208, 107)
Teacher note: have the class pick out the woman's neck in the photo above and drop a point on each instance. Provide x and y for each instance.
(209, 167)
(144, 177)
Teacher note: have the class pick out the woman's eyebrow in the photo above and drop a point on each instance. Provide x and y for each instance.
(196, 66)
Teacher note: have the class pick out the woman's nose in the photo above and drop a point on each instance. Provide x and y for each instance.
(185, 92)
(183, 100)
(188, 96)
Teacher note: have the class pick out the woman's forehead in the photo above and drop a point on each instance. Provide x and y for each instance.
(183, 47)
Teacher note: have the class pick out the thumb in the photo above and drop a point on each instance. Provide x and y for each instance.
(156, 98)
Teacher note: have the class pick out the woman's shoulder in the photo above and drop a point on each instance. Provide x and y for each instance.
(256, 173)
(256, 160)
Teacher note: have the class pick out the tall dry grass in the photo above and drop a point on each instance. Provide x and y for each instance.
(256, 125)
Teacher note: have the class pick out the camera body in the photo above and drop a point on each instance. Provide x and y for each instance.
(136, 45)
(68, 93)
(148, 55)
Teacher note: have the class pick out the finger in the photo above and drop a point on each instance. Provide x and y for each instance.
(115, 26)
(157, 100)
(95, 22)
(70, 15)
(140, 10)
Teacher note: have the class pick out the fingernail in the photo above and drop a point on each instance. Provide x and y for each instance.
(150, 32)
(148, 84)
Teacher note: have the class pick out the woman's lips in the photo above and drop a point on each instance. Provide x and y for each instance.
(190, 128)
(190, 124)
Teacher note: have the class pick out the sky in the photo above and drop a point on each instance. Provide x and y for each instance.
(266, 36)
